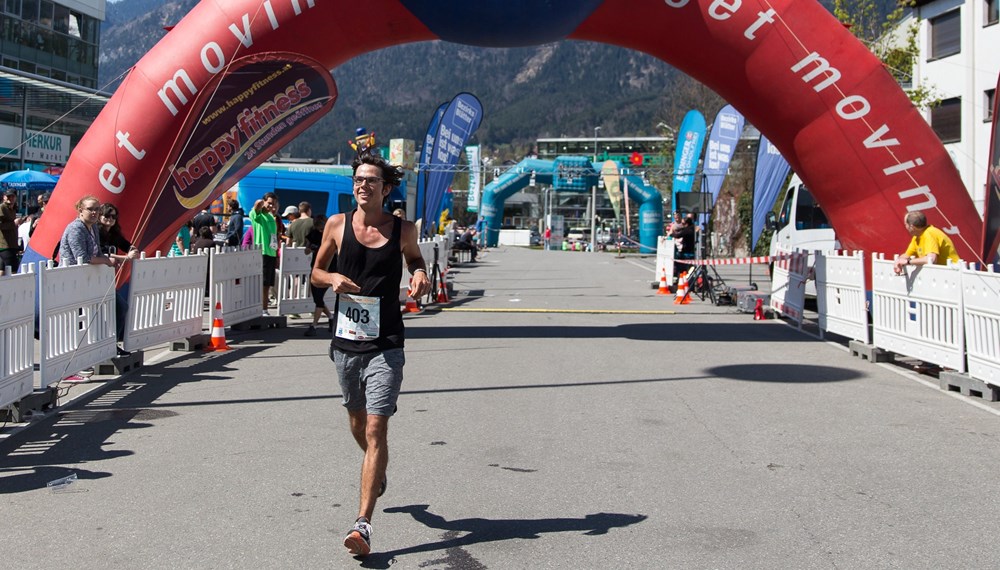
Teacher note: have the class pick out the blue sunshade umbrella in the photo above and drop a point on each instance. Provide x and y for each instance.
(27, 180)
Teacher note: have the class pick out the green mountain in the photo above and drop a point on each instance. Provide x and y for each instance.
(565, 88)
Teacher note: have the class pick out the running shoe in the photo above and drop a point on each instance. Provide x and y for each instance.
(311, 331)
(358, 541)
(75, 379)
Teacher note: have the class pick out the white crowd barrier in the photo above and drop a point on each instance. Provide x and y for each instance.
(17, 336)
(981, 299)
(840, 294)
(920, 313)
(426, 246)
(665, 250)
(76, 323)
(788, 284)
(237, 284)
(166, 299)
(294, 291)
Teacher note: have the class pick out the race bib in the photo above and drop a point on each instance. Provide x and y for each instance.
(358, 317)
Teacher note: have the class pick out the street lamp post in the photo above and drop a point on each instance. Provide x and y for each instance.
(595, 142)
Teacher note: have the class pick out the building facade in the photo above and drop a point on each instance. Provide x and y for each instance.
(48, 79)
(959, 58)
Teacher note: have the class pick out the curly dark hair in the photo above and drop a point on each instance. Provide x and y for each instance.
(391, 174)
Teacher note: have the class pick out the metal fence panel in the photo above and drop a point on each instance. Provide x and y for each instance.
(17, 336)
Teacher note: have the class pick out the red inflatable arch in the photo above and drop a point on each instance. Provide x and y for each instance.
(788, 66)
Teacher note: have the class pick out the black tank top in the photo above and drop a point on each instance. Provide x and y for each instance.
(378, 271)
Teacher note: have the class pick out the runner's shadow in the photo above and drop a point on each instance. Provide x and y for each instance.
(465, 532)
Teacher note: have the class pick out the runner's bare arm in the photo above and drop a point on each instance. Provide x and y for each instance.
(420, 284)
(320, 277)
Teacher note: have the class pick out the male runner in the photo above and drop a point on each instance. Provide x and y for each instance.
(367, 346)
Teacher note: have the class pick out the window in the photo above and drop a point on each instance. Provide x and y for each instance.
(946, 36)
(808, 214)
(992, 12)
(990, 96)
(946, 120)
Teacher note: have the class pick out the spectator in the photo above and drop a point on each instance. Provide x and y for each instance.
(202, 220)
(299, 229)
(182, 242)
(265, 236)
(111, 232)
(234, 228)
(313, 241)
(81, 242)
(43, 201)
(112, 241)
(684, 237)
(548, 237)
(467, 242)
(9, 221)
(928, 244)
(290, 214)
(205, 239)
(247, 242)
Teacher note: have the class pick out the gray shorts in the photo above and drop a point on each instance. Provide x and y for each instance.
(370, 380)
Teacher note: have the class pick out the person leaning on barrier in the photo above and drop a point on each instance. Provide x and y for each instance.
(81, 239)
(367, 346)
(112, 241)
(928, 244)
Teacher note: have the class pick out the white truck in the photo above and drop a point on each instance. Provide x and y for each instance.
(801, 224)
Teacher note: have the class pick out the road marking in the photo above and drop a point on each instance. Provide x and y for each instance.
(641, 265)
(582, 311)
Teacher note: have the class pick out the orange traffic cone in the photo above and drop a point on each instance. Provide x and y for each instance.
(682, 297)
(218, 331)
(411, 305)
(442, 296)
(664, 289)
(442, 293)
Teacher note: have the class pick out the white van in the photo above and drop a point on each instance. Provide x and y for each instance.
(801, 224)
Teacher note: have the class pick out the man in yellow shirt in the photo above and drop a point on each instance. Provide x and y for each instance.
(929, 245)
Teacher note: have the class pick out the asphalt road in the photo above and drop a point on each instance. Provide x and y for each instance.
(529, 435)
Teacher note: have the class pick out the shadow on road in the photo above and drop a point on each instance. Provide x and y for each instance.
(80, 434)
(466, 532)
(672, 332)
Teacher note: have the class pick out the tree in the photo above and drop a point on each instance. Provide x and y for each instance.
(893, 39)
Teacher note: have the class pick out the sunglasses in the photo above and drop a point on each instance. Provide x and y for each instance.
(111, 216)
(371, 180)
